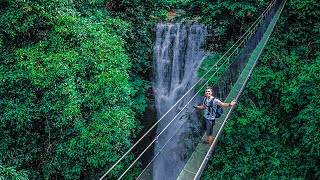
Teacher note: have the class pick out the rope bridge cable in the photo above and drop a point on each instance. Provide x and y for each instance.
(229, 74)
(217, 69)
(174, 118)
(171, 122)
(163, 147)
(155, 155)
(241, 40)
(206, 159)
(183, 175)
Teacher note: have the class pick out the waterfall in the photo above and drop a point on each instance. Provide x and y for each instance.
(178, 54)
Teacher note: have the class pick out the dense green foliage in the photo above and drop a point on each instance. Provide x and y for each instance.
(74, 77)
(10, 172)
(275, 134)
(73, 74)
(226, 19)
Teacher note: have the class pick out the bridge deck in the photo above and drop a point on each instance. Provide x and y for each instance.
(191, 168)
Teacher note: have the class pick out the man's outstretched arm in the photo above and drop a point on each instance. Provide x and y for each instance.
(232, 103)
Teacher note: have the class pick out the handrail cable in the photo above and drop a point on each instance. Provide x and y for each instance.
(179, 114)
(173, 119)
(178, 128)
(246, 34)
(231, 109)
(163, 147)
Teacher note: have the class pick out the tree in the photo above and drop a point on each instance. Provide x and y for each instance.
(10, 172)
(275, 132)
(65, 90)
(227, 20)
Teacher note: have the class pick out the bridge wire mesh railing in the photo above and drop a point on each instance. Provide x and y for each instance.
(222, 62)
(253, 43)
(244, 55)
(223, 86)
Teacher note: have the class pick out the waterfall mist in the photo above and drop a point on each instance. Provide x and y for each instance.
(178, 54)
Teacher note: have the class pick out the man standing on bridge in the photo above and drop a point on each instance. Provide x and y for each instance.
(209, 104)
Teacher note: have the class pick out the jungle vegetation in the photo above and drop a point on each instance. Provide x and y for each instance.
(75, 73)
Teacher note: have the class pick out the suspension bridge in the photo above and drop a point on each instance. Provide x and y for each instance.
(243, 55)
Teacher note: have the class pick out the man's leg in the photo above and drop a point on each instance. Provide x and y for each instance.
(210, 124)
(210, 139)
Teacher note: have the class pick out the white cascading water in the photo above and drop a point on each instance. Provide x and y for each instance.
(178, 54)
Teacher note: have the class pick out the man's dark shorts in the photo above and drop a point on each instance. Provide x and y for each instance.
(207, 125)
